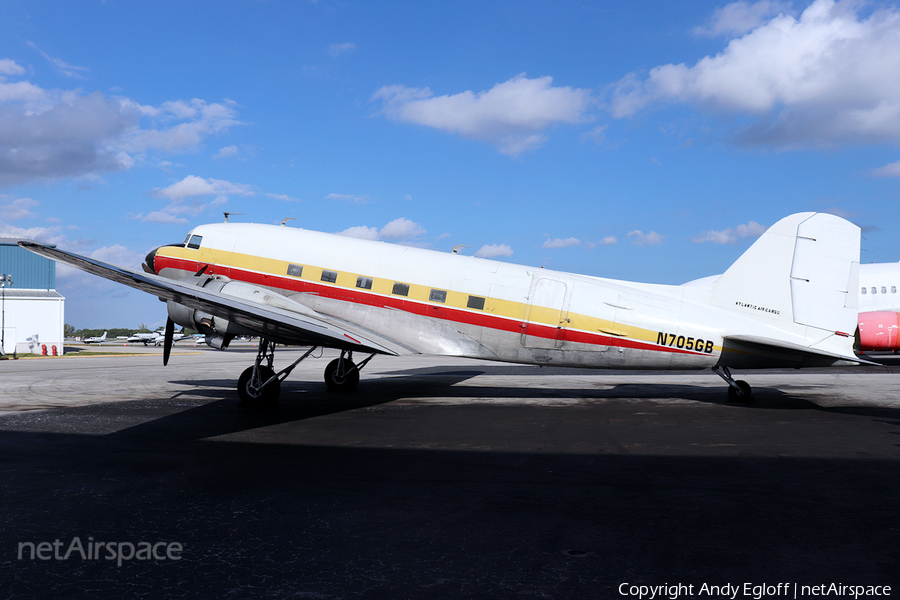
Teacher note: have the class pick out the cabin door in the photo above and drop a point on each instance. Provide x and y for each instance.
(546, 315)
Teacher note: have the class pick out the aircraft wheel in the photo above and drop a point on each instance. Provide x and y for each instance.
(341, 382)
(745, 394)
(251, 396)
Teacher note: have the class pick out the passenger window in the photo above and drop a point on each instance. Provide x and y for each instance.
(438, 296)
(864, 291)
(475, 302)
(194, 242)
(893, 289)
(401, 289)
(874, 290)
(883, 290)
(329, 276)
(364, 282)
(295, 270)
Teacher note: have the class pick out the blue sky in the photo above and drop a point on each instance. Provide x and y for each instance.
(643, 140)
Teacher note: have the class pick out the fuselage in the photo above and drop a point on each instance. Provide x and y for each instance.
(442, 303)
(879, 287)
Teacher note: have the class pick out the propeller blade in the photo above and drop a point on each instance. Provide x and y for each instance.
(167, 341)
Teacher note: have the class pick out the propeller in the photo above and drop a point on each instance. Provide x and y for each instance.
(167, 340)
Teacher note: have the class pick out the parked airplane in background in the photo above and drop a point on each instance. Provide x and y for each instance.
(96, 340)
(789, 301)
(159, 338)
(143, 338)
(879, 305)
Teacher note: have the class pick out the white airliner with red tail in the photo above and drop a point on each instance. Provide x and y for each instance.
(789, 301)
(879, 306)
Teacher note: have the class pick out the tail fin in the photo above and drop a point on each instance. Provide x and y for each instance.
(800, 276)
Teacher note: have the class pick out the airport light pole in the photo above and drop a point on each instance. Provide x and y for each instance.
(4, 281)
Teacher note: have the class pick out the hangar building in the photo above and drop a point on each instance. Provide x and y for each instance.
(33, 312)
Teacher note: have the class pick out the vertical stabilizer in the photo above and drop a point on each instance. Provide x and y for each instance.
(800, 276)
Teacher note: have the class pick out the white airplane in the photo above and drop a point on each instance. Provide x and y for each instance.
(96, 340)
(159, 338)
(879, 305)
(143, 338)
(789, 301)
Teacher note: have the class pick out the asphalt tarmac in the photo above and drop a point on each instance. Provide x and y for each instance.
(441, 478)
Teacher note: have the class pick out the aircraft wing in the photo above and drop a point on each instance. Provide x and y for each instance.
(275, 324)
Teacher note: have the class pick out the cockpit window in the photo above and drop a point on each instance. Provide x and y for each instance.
(186, 240)
(194, 242)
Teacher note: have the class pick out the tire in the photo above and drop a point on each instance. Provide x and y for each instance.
(249, 396)
(745, 394)
(345, 383)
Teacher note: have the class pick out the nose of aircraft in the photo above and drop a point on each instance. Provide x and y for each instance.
(149, 265)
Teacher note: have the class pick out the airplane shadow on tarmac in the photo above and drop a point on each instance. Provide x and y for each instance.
(302, 401)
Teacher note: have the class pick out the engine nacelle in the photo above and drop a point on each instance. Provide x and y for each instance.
(218, 330)
(879, 331)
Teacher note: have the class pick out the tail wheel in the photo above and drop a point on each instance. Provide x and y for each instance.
(251, 395)
(744, 394)
(341, 375)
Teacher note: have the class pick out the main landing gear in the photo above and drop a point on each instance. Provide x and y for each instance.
(738, 391)
(341, 375)
(259, 385)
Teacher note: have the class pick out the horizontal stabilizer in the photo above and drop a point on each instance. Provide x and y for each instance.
(753, 352)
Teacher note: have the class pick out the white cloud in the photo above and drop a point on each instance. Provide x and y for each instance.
(561, 243)
(730, 236)
(61, 66)
(401, 229)
(226, 152)
(353, 199)
(607, 241)
(283, 197)
(13, 209)
(511, 115)
(639, 238)
(202, 120)
(891, 170)
(362, 232)
(192, 187)
(159, 216)
(198, 186)
(336, 50)
(49, 235)
(494, 250)
(738, 18)
(825, 78)
(10, 67)
(52, 134)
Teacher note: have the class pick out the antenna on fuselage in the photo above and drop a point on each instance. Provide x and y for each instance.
(458, 246)
(230, 213)
(286, 219)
